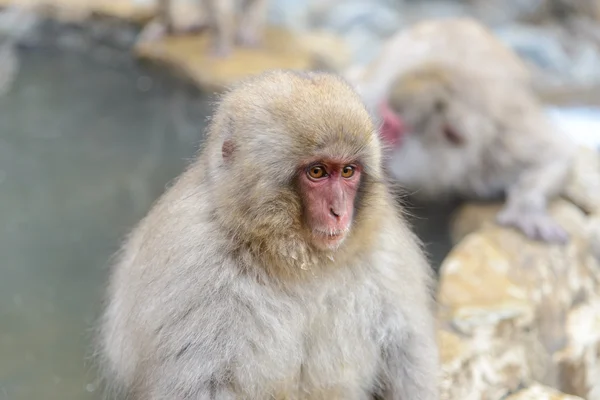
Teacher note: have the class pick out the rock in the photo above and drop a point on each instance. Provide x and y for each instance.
(487, 369)
(17, 22)
(76, 10)
(496, 12)
(539, 392)
(480, 301)
(189, 55)
(583, 187)
(376, 17)
(496, 273)
(364, 45)
(471, 217)
(560, 58)
(329, 51)
(416, 11)
(579, 361)
(573, 8)
(594, 230)
(187, 15)
(474, 275)
(292, 14)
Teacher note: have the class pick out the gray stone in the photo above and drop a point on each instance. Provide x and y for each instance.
(540, 45)
(495, 12)
(378, 18)
(9, 66)
(364, 44)
(567, 59)
(291, 14)
(433, 9)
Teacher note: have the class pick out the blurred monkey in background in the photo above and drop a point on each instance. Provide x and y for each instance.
(453, 133)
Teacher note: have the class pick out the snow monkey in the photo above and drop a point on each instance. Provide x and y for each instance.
(278, 266)
(477, 138)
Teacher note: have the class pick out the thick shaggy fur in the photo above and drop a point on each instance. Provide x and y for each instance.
(509, 147)
(219, 295)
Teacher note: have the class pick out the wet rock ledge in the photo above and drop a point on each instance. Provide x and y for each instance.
(517, 313)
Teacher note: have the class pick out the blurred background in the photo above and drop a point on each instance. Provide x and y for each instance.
(94, 123)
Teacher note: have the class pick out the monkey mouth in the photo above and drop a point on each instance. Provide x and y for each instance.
(330, 235)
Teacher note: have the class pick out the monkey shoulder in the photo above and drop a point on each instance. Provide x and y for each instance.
(401, 269)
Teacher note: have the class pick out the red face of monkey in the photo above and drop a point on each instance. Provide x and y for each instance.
(329, 189)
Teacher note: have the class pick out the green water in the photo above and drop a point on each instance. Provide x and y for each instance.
(84, 151)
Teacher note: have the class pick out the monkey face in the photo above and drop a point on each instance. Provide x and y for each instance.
(328, 189)
(430, 122)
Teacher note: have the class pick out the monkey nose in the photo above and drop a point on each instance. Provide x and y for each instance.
(336, 213)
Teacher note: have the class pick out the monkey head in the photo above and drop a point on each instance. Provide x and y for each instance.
(297, 171)
(444, 130)
(424, 103)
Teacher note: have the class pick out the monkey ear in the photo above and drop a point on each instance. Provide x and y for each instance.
(227, 149)
(452, 135)
(392, 128)
(228, 146)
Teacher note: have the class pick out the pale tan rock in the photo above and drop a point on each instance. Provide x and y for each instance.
(471, 217)
(497, 284)
(329, 51)
(540, 392)
(579, 361)
(483, 369)
(474, 274)
(131, 10)
(452, 348)
(480, 301)
(187, 14)
(583, 187)
(190, 56)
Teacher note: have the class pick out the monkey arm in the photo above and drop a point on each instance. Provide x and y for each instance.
(409, 349)
(411, 362)
(527, 201)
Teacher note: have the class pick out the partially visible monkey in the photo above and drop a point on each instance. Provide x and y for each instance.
(230, 23)
(478, 138)
(277, 266)
(459, 42)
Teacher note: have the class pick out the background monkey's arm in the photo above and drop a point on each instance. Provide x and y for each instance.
(526, 206)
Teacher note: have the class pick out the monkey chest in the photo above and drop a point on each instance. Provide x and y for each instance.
(332, 356)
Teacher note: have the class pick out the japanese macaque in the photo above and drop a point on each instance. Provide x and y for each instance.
(438, 40)
(230, 23)
(278, 266)
(454, 133)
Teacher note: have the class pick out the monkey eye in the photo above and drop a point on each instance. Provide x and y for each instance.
(316, 172)
(348, 171)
